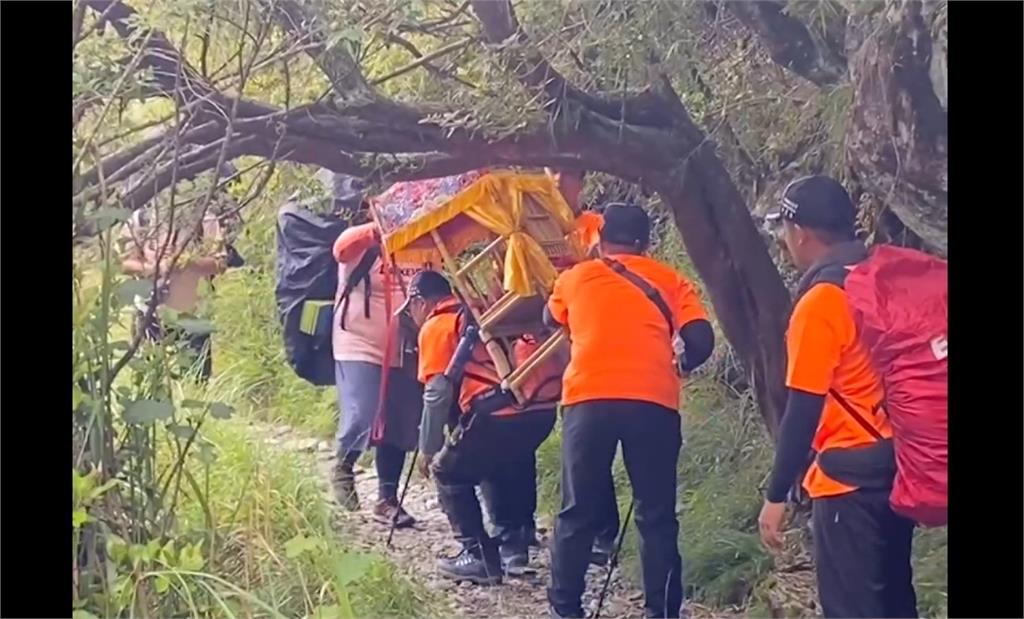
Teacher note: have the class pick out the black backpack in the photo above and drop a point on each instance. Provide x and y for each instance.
(307, 280)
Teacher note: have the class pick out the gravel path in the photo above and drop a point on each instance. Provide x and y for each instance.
(415, 551)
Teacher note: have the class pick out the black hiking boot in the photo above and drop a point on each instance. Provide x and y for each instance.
(554, 614)
(343, 481)
(515, 558)
(480, 566)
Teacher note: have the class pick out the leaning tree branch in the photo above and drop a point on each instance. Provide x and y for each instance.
(789, 42)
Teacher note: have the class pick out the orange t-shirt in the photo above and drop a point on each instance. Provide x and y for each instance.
(438, 339)
(621, 347)
(824, 353)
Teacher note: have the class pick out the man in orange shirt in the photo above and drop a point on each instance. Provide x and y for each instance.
(588, 223)
(836, 408)
(492, 442)
(588, 231)
(623, 312)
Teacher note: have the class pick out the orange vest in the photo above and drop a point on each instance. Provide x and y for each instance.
(542, 388)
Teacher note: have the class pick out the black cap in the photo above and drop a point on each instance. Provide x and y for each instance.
(626, 224)
(426, 285)
(818, 203)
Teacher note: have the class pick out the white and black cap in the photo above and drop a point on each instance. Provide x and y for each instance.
(816, 202)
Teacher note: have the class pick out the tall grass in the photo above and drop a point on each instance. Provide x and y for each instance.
(179, 509)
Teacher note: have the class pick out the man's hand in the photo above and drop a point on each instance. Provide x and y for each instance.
(770, 523)
(423, 464)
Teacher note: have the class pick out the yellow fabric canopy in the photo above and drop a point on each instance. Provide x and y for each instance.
(493, 205)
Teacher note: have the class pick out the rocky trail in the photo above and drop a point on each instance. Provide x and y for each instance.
(415, 551)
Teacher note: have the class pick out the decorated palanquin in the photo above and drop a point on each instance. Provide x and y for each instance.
(502, 237)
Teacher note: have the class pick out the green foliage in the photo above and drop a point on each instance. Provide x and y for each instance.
(177, 509)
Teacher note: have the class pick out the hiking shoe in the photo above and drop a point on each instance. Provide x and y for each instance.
(343, 481)
(387, 511)
(601, 553)
(554, 614)
(515, 559)
(469, 566)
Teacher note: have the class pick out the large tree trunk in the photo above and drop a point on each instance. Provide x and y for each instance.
(748, 295)
(897, 140)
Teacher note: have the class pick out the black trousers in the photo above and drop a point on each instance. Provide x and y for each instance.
(498, 453)
(609, 514)
(510, 497)
(862, 552)
(651, 438)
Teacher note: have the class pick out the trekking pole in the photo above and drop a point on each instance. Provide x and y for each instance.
(401, 497)
(614, 561)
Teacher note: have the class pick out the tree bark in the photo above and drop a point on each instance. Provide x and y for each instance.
(897, 141)
(789, 42)
(750, 300)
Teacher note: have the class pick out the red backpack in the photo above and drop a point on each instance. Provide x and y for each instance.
(899, 302)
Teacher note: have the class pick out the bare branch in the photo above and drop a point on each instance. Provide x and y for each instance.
(417, 54)
(423, 60)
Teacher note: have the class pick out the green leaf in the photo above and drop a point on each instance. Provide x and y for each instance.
(351, 566)
(80, 485)
(219, 410)
(195, 326)
(108, 217)
(128, 290)
(191, 557)
(162, 584)
(182, 431)
(79, 517)
(95, 493)
(193, 404)
(298, 545)
(148, 411)
(207, 453)
(117, 548)
(83, 614)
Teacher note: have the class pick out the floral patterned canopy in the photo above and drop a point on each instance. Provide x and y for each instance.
(467, 209)
(403, 202)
